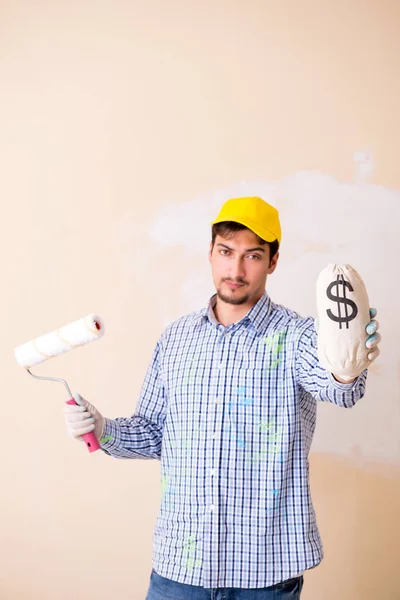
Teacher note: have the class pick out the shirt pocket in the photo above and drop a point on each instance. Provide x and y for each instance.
(186, 375)
(256, 390)
(255, 416)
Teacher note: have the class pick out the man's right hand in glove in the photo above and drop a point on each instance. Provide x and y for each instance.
(83, 418)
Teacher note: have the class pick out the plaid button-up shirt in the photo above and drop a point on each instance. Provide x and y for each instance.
(231, 412)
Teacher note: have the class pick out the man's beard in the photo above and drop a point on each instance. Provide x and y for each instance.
(237, 300)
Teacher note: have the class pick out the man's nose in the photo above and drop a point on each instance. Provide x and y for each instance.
(237, 269)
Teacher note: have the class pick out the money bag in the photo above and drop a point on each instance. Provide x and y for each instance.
(343, 314)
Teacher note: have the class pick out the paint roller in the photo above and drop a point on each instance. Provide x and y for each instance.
(71, 336)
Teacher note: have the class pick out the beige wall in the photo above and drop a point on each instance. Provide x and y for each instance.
(118, 118)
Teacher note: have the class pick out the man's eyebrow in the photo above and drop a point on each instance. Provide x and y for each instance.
(258, 248)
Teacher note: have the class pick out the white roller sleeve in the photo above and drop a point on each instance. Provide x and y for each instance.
(71, 336)
(343, 314)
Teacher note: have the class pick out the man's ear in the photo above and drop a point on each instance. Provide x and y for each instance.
(273, 264)
(210, 252)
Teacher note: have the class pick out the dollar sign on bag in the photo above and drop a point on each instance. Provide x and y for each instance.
(341, 299)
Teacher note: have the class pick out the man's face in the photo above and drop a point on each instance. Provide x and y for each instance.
(240, 267)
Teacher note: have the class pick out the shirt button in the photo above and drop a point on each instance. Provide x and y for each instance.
(212, 507)
(214, 436)
(216, 400)
(220, 366)
(212, 471)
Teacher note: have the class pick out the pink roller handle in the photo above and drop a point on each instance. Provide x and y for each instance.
(90, 439)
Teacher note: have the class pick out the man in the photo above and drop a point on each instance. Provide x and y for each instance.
(229, 406)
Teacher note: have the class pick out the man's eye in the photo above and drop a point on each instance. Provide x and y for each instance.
(224, 251)
(255, 256)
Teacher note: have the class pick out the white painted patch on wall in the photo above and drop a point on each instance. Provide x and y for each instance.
(323, 221)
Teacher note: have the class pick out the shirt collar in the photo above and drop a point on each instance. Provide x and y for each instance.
(256, 315)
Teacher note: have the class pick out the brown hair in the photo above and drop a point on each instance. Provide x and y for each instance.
(227, 230)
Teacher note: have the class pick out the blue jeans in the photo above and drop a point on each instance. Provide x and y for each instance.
(165, 589)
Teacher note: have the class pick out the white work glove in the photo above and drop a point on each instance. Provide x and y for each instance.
(83, 418)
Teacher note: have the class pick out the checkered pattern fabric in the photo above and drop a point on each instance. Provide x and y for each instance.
(230, 412)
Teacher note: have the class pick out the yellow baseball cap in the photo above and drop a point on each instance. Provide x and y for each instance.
(254, 213)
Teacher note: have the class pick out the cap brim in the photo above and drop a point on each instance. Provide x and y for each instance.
(266, 234)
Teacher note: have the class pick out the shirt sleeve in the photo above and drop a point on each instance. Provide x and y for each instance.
(140, 436)
(316, 380)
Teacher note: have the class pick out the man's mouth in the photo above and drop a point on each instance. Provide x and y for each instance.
(233, 286)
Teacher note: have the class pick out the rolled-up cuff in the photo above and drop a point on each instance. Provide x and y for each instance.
(111, 436)
(346, 387)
